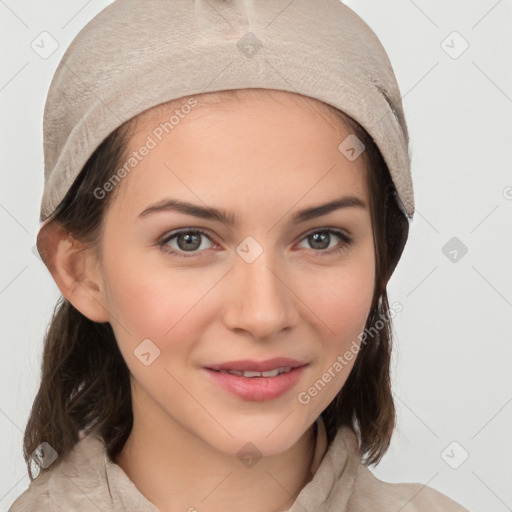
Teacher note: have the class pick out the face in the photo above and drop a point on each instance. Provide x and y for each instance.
(186, 290)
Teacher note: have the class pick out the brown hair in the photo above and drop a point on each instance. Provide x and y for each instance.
(85, 383)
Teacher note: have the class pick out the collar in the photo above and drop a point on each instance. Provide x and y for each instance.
(89, 471)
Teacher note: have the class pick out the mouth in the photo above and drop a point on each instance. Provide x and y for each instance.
(251, 368)
(257, 381)
(252, 374)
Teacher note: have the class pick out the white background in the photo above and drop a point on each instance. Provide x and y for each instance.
(453, 347)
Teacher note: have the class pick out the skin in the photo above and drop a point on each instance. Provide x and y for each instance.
(263, 159)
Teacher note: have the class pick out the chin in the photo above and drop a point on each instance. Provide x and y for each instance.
(266, 436)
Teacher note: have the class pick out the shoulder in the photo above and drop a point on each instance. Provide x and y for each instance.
(75, 483)
(369, 492)
(36, 497)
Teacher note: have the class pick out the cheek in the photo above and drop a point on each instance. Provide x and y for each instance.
(155, 330)
(341, 306)
(341, 298)
(157, 303)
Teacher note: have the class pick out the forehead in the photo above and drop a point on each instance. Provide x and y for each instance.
(242, 142)
(224, 101)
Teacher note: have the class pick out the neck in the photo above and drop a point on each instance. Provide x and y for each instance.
(177, 471)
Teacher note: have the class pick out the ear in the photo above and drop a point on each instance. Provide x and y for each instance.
(75, 269)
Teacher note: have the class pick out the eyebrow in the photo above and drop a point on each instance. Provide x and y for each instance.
(230, 219)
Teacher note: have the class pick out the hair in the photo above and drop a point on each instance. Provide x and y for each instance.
(85, 382)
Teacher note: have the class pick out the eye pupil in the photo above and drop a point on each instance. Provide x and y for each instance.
(320, 237)
(193, 241)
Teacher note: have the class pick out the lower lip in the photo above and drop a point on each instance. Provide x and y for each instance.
(257, 389)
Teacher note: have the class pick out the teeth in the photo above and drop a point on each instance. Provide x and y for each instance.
(270, 373)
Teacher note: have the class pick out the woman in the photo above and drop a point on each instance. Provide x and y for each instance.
(227, 194)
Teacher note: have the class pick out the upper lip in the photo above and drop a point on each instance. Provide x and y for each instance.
(258, 366)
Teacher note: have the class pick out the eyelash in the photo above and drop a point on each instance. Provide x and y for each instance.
(346, 241)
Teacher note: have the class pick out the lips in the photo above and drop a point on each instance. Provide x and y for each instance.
(256, 388)
(258, 366)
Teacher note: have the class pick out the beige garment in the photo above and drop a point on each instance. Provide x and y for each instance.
(88, 481)
(134, 55)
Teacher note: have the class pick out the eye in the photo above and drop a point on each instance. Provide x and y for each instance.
(321, 239)
(191, 241)
(187, 240)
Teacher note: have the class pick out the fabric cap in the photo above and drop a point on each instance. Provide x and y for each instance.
(135, 55)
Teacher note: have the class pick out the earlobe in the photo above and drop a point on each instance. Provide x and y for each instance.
(73, 267)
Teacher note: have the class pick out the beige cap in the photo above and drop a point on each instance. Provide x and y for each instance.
(134, 55)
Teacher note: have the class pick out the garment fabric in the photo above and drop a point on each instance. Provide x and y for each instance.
(135, 55)
(87, 480)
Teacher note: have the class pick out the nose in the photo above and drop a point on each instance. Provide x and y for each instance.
(259, 301)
